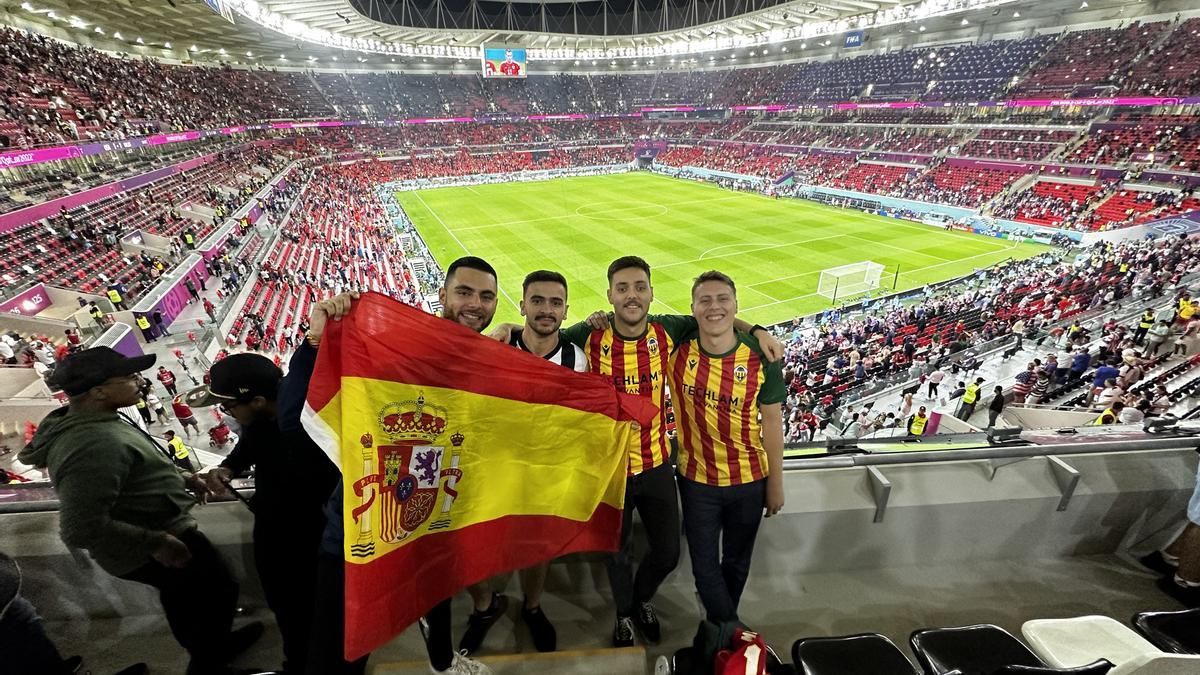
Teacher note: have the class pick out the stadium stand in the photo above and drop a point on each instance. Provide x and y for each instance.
(1059, 332)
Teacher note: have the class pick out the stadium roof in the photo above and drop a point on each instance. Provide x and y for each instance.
(454, 29)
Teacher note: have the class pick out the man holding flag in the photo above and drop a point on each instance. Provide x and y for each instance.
(463, 472)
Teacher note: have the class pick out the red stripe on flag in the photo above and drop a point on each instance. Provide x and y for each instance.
(387, 595)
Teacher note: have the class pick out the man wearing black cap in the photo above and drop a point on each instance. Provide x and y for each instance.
(292, 478)
(122, 499)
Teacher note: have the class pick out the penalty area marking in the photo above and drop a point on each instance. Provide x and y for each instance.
(809, 295)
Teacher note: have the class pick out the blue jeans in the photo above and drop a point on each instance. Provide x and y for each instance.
(721, 524)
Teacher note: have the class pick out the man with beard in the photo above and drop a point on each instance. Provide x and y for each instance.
(122, 499)
(468, 297)
(633, 349)
(544, 306)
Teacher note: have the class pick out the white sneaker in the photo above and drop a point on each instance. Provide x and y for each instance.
(662, 666)
(462, 665)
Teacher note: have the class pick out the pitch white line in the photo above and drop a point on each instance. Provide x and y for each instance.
(718, 248)
(460, 244)
(573, 215)
(765, 247)
(809, 295)
(902, 249)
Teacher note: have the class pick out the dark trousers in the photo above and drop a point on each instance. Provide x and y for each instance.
(171, 389)
(721, 524)
(1140, 334)
(328, 633)
(965, 410)
(439, 642)
(285, 555)
(148, 334)
(24, 644)
(992, 415)
(199, 600)
(933, 390)
(653, 494)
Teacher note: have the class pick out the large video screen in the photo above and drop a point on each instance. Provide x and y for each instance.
(503, 62)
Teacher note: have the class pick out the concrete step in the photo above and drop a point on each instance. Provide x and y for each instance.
(625, 661)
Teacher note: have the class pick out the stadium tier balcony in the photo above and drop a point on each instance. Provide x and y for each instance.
(924, 141)
(878, 178)
(1007, 150)
(1173, 69)
(746, 160)
(957, 186)
(1083, 63)
(1048, 203)
(71, 249)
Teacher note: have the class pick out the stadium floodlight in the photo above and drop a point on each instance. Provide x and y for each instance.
(669, 43)
(847, 281)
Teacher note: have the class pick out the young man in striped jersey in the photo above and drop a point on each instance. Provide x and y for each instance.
(730, 462)
(544, 306)
(633, 349)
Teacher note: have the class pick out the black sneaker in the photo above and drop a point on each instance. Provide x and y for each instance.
(647, 622)
(480, 622)
(241, 639)
(545, 638)
(623, 632)
(1157, 563)
(1189, 596)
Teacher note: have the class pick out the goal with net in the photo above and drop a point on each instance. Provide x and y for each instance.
(850, 280)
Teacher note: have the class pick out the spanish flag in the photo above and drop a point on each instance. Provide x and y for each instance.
(461, 457)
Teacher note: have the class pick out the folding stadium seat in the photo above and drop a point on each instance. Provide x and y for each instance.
(984, 650)
(865, 654)
(1067, 642)
(1175, 632)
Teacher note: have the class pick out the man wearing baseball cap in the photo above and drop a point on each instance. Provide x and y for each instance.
(292, 479)
(122, 499)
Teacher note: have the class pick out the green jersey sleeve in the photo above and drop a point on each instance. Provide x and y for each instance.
(577, 334)
(679, 327)
(772, 389)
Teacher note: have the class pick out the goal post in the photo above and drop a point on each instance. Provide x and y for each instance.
(850, 280)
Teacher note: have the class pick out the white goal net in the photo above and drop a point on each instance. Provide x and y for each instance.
(850, 280)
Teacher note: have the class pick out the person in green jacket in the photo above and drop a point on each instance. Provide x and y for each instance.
(122, 499)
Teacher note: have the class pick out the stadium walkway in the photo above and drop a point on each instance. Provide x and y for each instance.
(893, 601)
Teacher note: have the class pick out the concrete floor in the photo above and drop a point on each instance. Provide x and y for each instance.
(894, 602)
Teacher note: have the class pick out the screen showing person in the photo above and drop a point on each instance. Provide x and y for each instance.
(503, 62)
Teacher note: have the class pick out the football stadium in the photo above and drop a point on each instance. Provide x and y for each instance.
(696, 337)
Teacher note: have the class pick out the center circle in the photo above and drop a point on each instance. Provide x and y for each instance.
(621, 210)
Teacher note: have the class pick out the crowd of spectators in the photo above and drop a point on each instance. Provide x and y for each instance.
(837, 356)
(56, 92)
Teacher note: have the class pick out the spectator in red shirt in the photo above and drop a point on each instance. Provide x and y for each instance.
(168, 380)
(183, 413)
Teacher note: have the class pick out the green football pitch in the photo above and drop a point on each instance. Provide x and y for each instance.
(774, 249)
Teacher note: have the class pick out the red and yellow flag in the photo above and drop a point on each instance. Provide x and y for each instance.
(461, 457)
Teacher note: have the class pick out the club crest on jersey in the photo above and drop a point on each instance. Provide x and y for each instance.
(401, 479)
(652, 346)
(739, 374)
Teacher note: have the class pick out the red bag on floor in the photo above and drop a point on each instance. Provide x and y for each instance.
(747, 655)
